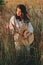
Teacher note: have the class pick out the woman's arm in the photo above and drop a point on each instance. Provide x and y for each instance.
(29, 30)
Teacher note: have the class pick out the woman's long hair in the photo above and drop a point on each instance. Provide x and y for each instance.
(23, 10)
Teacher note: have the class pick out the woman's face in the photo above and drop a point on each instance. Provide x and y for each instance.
(18, 12)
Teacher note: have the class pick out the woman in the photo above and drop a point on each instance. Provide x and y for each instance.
(20, 19)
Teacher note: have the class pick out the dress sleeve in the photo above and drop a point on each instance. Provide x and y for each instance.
(30, 28)
(10, 24)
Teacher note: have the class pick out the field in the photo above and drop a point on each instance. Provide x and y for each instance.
(35, 13)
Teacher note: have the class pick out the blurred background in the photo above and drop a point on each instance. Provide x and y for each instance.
(35, 13)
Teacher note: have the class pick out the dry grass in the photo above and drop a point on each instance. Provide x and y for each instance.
(35, 10)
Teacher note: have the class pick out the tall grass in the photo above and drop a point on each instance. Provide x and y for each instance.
(7, 47)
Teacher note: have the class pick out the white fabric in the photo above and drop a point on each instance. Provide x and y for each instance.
(30, 28)
(13, 20)
(19, 25)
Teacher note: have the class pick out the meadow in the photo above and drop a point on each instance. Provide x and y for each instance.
(7, 48)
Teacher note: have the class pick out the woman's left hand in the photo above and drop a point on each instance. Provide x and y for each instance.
(26, 34)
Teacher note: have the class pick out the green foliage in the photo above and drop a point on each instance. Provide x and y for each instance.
(1, 2)
(2, 52)
(40, 26)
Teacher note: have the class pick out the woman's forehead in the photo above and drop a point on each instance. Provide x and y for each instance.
(18, 9)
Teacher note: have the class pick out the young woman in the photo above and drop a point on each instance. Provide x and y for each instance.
(19, 20)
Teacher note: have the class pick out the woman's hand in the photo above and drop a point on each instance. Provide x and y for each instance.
(20, 32)
(26, 34)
